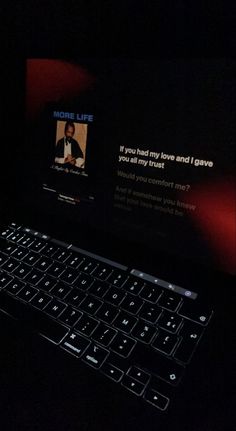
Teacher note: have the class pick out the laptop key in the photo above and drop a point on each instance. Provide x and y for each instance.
(133, 385)
(133, 285)
(56, 269)
(170, 301)
(125, 322)
(156, 399)
(86, 325)
(41, 300)
(55, 308)
(150, 293)
(123, 345)
(190, 335)
(115, 295)
(15, 286)
(22, 270)
(104, 334)
(70, 316)
(139, 375)
(61, 255)
(90, 304)
(32, 319)
(75, 297)
(117, 278)
(31, 258)
(75, 260)
(4, 279)
(34, 276)
(170, 321)
(19, 252)
(84, 281)
(88, 266)
(144, 332)
(107, 313)
(10, 265)
(27, 293)
(3, 258)
(102, 272)
(99, 288)
(196, 312)
(69, 275)
(44, 263)
(60, 290)
(131, 303)
(112, 372)
(47, 283)
(95, 355)
(165, 342)
(150, 312)
(75, 344)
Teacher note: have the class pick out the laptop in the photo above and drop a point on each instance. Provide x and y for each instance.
(118, 247)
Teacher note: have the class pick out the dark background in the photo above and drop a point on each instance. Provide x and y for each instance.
(126, 29)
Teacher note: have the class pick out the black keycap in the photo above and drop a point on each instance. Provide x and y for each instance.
(10, 265)
(41, 300)
(151, 293)
(95, 355)
(60, 290)
(104, 334)
(69, 275)
(88, 266)
(15, 286)
(44, 263)
(33, 319)
(117, 278)
(112, 372)
(27, 293)
(170, 321)
(150, 312)
(31, 258)
(86, 325)
(15, 236)
(70, 316)
(7, 247)
(156, 399)
(139, 375)
(107, 313)
(197, 312)
(99, 288)
(190, 335)
(122, 345)
(37, 245)
(84, 281)
(133, 285)
(102, 271)
(56, 269)
(3, 258)
(157, 364)
(131, 303)
(4, 279)
(114, 295)
(75, 297)
(125, 322)
(49, 250)
(61, 255)
(170, 301)
(20, 252)
(47, 283)
(133, 385)
(144, 332)
(165, 342)
(6, 232)
(75, 260)
(55, 308)
(26, 240)
(75, 344)
(34, 277)
(90, 304)
(22, 270)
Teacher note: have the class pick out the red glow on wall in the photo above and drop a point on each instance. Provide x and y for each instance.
(53, 80)
(216, 217)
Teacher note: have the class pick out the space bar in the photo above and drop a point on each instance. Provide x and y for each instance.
(32, 319)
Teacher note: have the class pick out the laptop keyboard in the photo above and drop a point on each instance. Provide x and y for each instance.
(139, 333)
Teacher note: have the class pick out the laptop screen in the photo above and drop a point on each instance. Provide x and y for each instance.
(141, 149)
